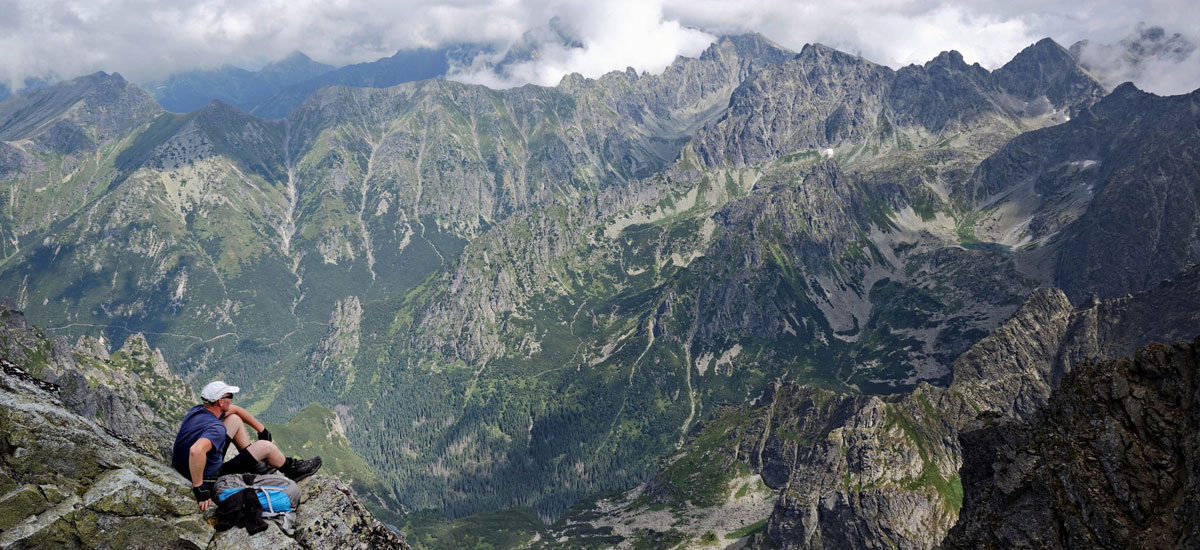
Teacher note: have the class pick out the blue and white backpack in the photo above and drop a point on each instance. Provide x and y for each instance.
(278, 495)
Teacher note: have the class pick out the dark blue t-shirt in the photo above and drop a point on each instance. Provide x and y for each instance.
(197, 424)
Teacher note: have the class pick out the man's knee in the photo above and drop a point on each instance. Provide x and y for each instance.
(233, 423)
(261, 449)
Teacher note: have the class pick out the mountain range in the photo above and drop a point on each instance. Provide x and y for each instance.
(528, 297)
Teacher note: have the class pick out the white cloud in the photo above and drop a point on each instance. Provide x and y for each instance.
(147, 39)
(611, 35)
(1156, 61)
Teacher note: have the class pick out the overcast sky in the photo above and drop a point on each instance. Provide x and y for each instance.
(148, 39)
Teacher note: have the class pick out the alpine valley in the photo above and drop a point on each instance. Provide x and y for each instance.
(750, 302)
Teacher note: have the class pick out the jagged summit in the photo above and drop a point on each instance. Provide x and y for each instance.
(1046, 69)
(820, 53)
(851, 99)
(748, 45)
(951, 60)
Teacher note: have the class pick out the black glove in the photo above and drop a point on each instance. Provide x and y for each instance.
(264, 435)
(202, 493)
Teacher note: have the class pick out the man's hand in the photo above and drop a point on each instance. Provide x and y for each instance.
(264, 435)
(203, 497)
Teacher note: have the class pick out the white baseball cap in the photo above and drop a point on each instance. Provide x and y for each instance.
(216, 390)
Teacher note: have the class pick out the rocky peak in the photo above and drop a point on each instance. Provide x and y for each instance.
(821, 54)
(1040, 57)
(750, 45)
(1153, 41)
(215, 129)
(1143, 54)
(942, 92)
(1048, 70)
(1124, 97)
(951, 59)
(952, 62)
(817, 62)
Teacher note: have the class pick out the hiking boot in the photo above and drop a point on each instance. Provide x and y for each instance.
(296, 469)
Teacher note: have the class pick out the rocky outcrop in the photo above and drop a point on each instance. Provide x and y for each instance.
(333, 359)
(131, 391)
(69, 483)
(330, 516)
(1111, 461)
(66, 482)
(871, 479)
(1014, 369)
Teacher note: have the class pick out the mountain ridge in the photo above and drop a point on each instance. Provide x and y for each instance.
(188, 91)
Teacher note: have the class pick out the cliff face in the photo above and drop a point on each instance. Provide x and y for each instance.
(1111, 461)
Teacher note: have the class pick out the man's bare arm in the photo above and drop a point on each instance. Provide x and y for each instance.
(247, 418)
(197, 456)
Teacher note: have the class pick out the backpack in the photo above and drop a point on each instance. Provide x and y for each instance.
(277, 495)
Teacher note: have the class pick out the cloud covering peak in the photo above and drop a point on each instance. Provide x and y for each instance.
(149, 39)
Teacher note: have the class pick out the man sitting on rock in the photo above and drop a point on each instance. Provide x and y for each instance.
(205, 434)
